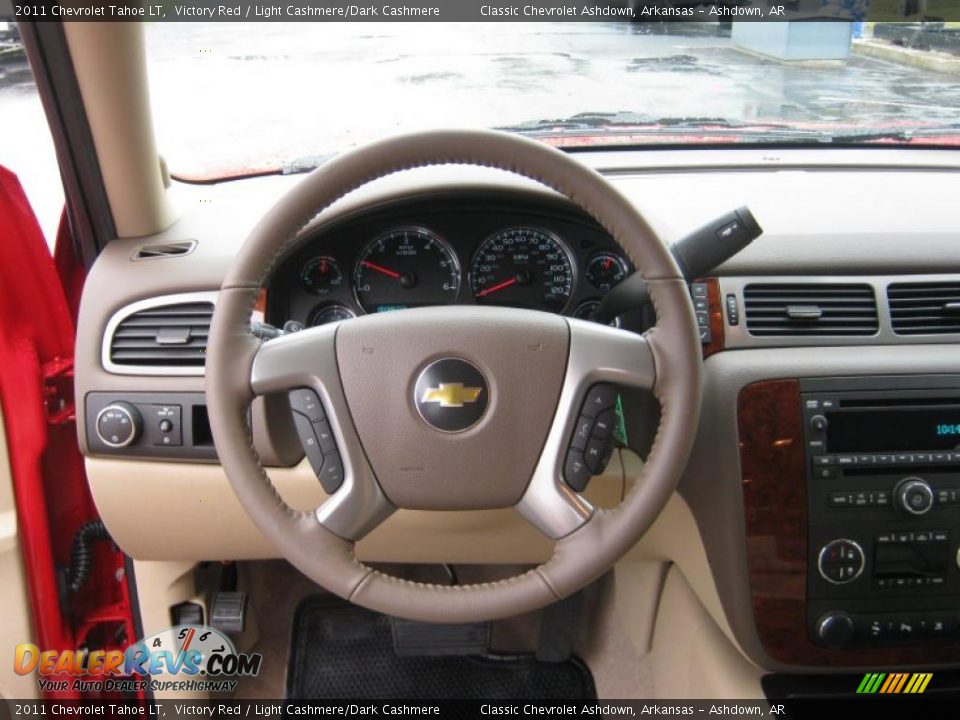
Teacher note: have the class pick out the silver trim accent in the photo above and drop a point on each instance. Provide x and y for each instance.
(598, 353)
(309, 359)
(737, 337)
(863, 561)
(905, 485)
(154, 302)
(133, 426)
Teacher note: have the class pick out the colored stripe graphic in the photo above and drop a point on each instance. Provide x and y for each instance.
(894, 683)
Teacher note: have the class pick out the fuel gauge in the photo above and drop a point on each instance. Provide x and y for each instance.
(321, 275)
(606, 270)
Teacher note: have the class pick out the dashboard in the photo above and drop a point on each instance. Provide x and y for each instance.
(449, 250)
(873, 230)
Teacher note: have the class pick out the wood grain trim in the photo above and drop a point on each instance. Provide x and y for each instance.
(774, 487)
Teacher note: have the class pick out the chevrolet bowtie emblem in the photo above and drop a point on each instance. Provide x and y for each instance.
(451, 395)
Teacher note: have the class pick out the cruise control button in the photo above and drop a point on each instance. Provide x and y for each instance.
(306, 402)
(309, 442)
(600, 397)
(331, 476)
(575, 471)
(324, 436)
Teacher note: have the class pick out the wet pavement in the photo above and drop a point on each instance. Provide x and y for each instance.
(242, 94)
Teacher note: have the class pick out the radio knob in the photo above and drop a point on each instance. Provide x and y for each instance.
(818, 423)
(914, 495)
(835, 629)
(118, 424)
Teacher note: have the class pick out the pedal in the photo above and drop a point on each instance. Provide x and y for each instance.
(229, 611)
(430, 639)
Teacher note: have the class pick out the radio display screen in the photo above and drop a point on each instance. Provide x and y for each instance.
(892, 430)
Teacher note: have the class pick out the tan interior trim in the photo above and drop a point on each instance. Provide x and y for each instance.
(111, 69)
(136, 500)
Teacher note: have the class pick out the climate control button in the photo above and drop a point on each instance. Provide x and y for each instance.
(841, 561)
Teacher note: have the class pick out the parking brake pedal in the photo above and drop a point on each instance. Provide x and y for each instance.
(229, 612)
(418, 639)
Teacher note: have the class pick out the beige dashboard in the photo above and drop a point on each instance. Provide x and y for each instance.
(867, 215)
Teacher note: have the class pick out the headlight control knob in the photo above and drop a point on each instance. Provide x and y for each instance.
(914, 495)
(119, 424)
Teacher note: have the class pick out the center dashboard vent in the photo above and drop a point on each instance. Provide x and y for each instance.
(924, 308)
(810, 309)
(168, 335)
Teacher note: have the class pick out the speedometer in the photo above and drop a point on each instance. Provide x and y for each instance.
(406, 267)
(523, 267)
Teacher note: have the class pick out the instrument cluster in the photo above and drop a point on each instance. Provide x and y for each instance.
(463, 252)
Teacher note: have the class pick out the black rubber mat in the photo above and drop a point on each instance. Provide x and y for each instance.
(344, 652)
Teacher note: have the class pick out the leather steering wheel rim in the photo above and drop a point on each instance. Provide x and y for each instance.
(584, 550)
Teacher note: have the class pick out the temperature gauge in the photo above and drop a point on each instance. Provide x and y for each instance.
(606, 270)
(321, 275)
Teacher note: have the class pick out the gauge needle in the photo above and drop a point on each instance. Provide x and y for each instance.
(498, 286)
(380, 269)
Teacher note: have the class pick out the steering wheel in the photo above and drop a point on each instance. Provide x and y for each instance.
(520, 378)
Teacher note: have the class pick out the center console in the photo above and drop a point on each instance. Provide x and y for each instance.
(852, 504)
(883, 504)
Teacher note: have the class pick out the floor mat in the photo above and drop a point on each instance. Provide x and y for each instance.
(341, 651)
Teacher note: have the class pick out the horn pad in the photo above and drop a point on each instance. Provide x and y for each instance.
(453, 404)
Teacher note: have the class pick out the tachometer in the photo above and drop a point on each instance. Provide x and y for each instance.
(406, 267)
(523, 267)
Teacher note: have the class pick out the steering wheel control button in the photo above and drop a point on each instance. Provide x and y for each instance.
(451, 395)
(324, 436)
(841, 561)
(118, 425)
(597, 455)
(309, 441)
(600, 397)
(306, 402)
(603, 425)
(331, 476)
(581, 435)
(576, 472)
(914, 496)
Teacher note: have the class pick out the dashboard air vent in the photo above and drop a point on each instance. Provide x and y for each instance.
(808, 309)
(164, 250)
(924, 308)
(165, 335)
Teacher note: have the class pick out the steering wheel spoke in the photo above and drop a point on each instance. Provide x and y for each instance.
(304, 365)
(600, 358)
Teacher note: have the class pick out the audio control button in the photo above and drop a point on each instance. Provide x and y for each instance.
(835, 629)
(914, 496)
(818, 423)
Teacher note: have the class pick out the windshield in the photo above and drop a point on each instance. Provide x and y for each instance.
(233, 98)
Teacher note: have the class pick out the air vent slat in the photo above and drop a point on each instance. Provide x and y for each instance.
(172, 335)
(922, 308)
(164, 250)
(837, 310)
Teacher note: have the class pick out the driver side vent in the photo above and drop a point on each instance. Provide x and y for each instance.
(924, 308)
(165, 335)
(164, 250)
(810, 309)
